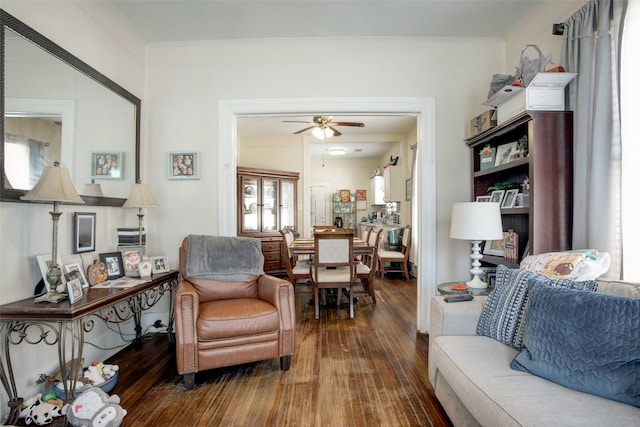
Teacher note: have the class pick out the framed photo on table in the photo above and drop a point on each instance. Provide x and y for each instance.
(84, 232)
(74, 289)
(159, 264)
(44, 262)
(184, 165)
(73, 271)
(113, 261)
(131, 257)
(107, 165)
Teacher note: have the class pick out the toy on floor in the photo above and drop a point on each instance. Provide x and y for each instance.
(95, 408)
(38, 412)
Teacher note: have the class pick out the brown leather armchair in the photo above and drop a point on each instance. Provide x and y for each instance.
(229, 322)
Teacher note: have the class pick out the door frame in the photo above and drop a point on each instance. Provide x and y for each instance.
(425, 110)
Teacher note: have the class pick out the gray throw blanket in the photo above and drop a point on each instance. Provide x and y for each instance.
(229, 259)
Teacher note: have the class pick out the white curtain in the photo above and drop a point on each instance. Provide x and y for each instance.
(591, 48)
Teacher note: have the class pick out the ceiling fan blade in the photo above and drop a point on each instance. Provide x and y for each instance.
(336, 132)
(354, 124)
(295, 121)
(304, 130)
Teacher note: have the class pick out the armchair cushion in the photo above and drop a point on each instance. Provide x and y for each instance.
(234, 318)
(223, 258)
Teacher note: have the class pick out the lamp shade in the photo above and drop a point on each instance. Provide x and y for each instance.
(140, 197)
(476, 221)
(54, 185)
(93, 189)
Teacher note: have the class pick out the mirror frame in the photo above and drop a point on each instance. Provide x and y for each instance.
(19, 27)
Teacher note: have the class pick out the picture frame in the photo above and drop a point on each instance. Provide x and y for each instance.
(495, 247)
(497, 196)
(510, 198)
(504, 153)
(159, 264)
(131, 257)
(74, 290)
(113, 261)
(44, 261)
(107, 165)
(519, 201)
(74, 271)
(84, 232)
(183, 165)
(483, 199)
(408, 188)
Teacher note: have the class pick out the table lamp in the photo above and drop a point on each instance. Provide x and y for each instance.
(140, 198)
(476, 221)
(54, 186)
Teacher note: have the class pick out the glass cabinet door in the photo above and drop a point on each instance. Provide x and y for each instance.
(270, 204)
(288, 204)
(249, 208)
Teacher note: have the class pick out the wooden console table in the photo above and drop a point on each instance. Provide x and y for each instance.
(64, 325)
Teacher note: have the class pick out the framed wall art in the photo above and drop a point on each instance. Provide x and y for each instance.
(159, 264)
(107, 165)
(84, 232)
(184, 165)
(113, 261)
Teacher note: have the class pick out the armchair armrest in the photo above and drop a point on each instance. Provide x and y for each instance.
(460, 318)
(280, 294)
(186, 306)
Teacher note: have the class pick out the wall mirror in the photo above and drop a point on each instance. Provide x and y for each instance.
(58, 108)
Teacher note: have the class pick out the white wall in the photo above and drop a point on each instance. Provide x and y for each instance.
(26, 228)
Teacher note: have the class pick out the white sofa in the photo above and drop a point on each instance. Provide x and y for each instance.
(473, 380)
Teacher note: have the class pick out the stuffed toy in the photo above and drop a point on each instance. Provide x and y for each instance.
(94, 408)
(39, 412)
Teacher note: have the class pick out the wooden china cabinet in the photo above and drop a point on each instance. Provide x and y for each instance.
(266, 204)
(543, 221)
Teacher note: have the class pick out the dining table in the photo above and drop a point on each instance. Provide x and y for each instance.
(305, 246)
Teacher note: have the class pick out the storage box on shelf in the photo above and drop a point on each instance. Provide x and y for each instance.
(483, 122)
(545, 224)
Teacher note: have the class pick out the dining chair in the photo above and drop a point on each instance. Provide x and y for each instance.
(333, 266)
(297, 269)
(366, 269)
(395, 256)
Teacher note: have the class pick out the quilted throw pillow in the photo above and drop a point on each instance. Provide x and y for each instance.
(586, 341)
(503, 317)
(582, 264)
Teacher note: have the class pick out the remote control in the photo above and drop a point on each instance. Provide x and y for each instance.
(458, 298)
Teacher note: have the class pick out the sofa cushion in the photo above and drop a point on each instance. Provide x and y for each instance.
(502, 317)
(477, 370)
(585, 341)
(583, 264)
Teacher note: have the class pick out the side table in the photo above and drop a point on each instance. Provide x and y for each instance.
(445, 289)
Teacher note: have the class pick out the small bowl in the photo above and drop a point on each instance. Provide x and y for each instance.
(106, 386)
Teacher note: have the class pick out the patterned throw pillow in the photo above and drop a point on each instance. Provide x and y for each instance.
(503, 316)
(583, 340)
(582, 264)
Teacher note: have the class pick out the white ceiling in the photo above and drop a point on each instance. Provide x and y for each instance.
(188, 20)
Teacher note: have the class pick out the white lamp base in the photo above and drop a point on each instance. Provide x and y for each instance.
(476, 256)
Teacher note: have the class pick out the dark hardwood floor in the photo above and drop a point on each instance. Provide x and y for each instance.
(366, 371)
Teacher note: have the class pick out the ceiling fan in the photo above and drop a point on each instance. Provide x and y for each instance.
(324, 126)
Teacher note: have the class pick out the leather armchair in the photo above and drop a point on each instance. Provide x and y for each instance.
(224, 323)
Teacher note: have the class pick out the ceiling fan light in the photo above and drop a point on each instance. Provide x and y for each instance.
(318, 133)
(328, 132)
(337, 151)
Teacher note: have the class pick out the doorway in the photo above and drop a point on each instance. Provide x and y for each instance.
(423, 108)
(318, 208)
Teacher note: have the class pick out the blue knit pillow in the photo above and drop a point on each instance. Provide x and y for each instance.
(503, 317)
(586, 341)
